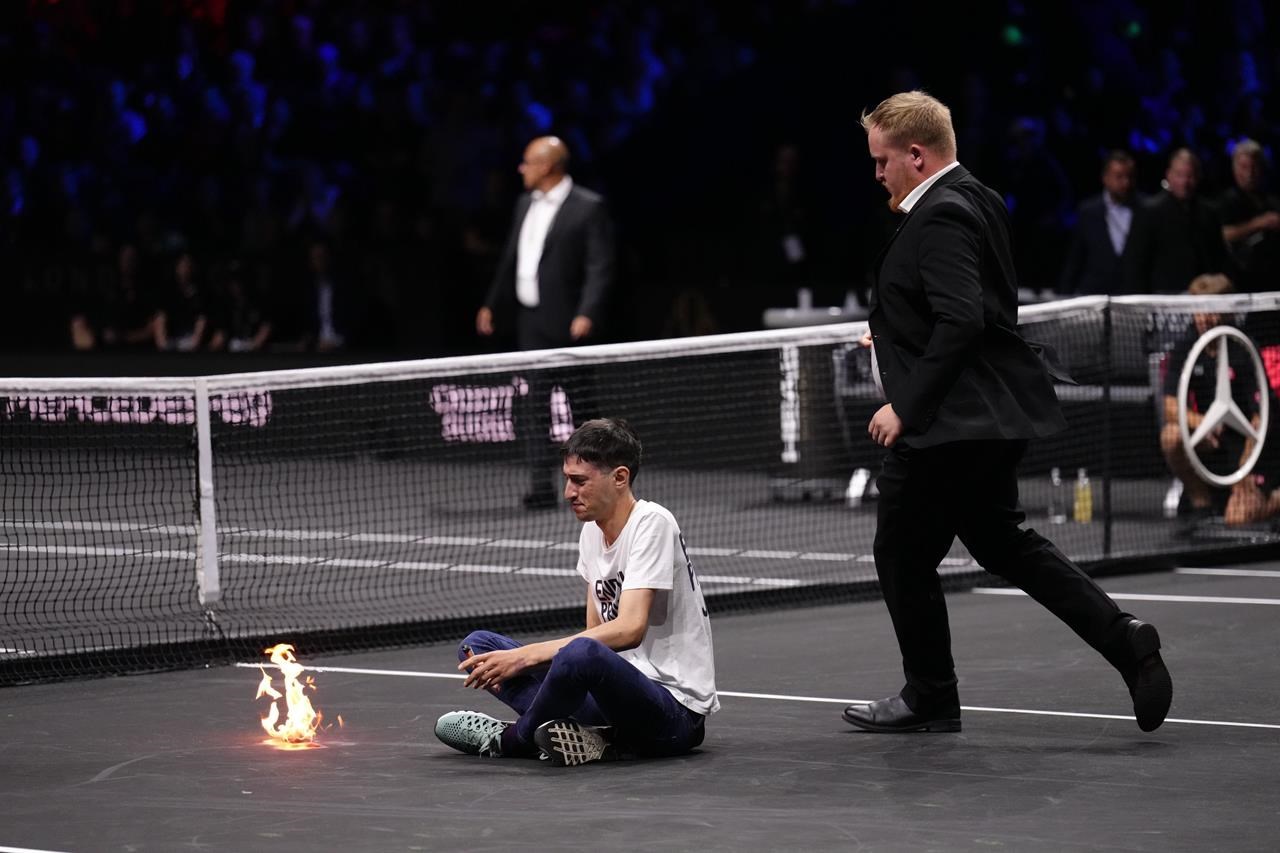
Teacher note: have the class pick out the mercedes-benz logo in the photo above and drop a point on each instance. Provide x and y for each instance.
(1223, 411)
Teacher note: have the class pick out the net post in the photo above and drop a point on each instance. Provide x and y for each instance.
(1108, 343)
(207, 579)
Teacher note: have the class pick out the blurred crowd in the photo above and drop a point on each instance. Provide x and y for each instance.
(308, 175)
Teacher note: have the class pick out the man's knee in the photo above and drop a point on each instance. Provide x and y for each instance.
(477, 642)
(581, 654)
(1007, 551)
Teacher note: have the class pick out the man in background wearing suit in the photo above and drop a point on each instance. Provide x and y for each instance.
(1178, 236)
(552, 284)
(965, 392)
(1103, 225)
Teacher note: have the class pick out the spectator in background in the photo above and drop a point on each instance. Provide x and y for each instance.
(553, 283)
(240, 323)
(784, 240)
(1178, 236)
(325, 302)
(1251, 219)
(119, 313)
(183, 320)
(1103, 224)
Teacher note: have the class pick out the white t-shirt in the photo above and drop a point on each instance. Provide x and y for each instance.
(676, 650)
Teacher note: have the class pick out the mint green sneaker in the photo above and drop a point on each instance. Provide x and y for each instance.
(472, 732)
(566, 743)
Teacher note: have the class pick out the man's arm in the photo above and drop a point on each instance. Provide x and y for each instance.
(1267, 221)
(599, 266)
(503, 282)
(626, 631)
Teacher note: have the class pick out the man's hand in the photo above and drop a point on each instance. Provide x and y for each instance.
(580, 327)
(885, 426)
(1269, 221)
(489, 670)
(865, 340)
(484, 322)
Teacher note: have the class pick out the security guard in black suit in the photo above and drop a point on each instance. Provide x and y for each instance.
(965, 393)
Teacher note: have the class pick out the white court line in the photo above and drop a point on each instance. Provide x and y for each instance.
(1231, 573)
(1135, 596)
(25, 850)
(785, 697)
(233, 558)
(287, 535)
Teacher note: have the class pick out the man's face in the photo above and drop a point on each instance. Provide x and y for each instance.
(1117, 180)
(896, 166)
(535, 166)
(592, 492)
(1182, 179)
(1205, 322)
(1247, 170)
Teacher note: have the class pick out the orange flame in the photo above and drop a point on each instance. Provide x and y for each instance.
(301, 720)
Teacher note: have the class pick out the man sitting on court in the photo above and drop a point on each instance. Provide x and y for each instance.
(640, 679)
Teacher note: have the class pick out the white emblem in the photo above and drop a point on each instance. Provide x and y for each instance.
(1223, 411)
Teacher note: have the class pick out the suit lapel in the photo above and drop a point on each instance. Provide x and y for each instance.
(956, 174)
(884, 250)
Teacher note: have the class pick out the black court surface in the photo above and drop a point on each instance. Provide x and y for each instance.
(1048, 758)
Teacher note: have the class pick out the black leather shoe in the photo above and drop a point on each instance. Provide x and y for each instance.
(892, 715)
(1148, 678)
(539, 500)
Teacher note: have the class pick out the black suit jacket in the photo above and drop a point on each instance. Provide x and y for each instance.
(944, 321)
(1175, 242)
(1093, 266)
(575, 273)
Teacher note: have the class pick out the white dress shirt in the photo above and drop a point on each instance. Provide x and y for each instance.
(533, 236)
(914, 196)
(1119, 218)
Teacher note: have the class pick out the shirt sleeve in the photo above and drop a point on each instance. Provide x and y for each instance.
(584, 545)
(651, 554)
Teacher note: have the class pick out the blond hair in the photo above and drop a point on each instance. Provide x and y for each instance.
(1248, 148)
(914, 117)
(1210, 284)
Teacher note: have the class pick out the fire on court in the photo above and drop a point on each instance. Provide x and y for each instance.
(301, 720)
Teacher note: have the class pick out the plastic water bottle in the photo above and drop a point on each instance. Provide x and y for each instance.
(857, 487)
(1057, 498)
(1083, 512)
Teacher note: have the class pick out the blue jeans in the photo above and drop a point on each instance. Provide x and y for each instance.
(591, 683)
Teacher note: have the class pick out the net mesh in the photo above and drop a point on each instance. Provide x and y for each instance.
(382, 503)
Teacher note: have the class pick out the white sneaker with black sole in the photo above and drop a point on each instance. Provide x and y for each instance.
(472, 732)
(566, 743)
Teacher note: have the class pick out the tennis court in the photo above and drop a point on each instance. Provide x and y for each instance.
(1046, 760)
(371, 516)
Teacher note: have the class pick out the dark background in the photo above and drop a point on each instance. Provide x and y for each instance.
(247, 133)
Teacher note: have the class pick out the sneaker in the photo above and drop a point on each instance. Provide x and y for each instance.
(472, 732)
(568, 742)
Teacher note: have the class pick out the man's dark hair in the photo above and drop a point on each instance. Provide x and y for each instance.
(606, 443)
(1117, 155)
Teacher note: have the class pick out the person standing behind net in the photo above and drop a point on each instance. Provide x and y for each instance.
(1104, 222)
(1250, 216)
(643, 665)
(552, 284)
(1177, 235)
(965, 392)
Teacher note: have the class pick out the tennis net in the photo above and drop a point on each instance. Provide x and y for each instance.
(150, 523)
